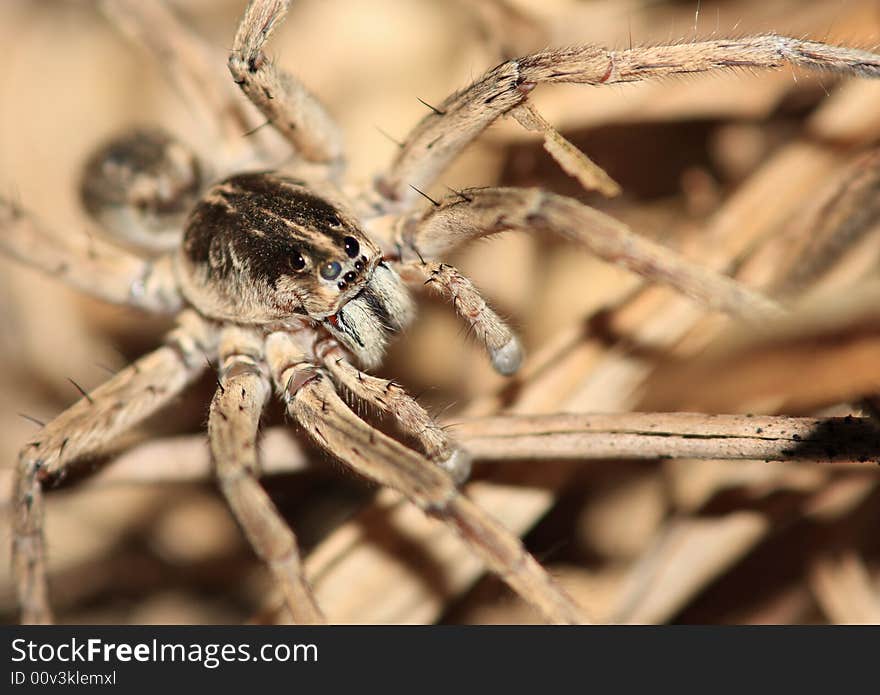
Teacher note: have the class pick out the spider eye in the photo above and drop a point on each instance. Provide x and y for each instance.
(298, 262)
(331, 270)
(352, 247)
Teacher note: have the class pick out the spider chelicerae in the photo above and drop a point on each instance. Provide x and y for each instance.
(294, 281)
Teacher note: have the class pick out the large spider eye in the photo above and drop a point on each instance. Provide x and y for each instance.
(352, 247)
(331, 270)
(297, 262)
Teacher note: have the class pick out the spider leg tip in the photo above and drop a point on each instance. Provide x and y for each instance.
(458, 465)
(507, 359)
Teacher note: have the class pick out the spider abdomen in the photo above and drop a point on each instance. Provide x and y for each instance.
(140, 185)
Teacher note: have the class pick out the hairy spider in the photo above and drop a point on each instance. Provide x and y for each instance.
(289, 280)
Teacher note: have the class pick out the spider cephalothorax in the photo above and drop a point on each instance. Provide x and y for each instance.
(264, 248)
(279, 279)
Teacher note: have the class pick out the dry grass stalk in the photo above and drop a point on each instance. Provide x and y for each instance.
(574, 162)
(813, 358)
(844, 588)
(551, 438)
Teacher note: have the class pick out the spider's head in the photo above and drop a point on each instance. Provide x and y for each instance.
(263, 248)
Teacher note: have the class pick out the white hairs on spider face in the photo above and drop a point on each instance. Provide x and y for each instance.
(363, 323)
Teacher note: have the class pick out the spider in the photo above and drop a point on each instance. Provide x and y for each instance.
(286, 278)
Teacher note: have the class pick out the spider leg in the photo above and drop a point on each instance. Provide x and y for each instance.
(315, 404)
(389, 397)
(95, 267)
(126, 399)
(284, 101)
(478, 212)
(503, 346)
(444, 133)
(243, 390)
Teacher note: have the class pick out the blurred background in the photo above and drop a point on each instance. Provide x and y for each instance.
(767, 175)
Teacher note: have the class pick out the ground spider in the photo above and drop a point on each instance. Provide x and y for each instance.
(289, 281)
